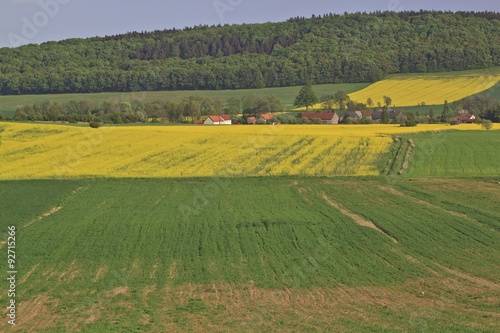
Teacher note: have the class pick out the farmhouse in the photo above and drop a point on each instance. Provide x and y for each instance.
(393, 115)
(465, 118)
(223, 119)
(251, 120)
(267, 117)
(352, 114)
(326, 118)
(367, 114)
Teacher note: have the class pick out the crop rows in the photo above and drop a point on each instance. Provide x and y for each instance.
(186, 250)
(431, 91)
(48, 151)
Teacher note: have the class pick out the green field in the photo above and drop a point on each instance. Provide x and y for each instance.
(287, 95)
(455, 154)
(178, 255)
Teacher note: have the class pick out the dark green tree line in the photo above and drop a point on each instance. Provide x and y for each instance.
(331, 48)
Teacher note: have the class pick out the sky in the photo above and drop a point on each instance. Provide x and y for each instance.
(38, 21)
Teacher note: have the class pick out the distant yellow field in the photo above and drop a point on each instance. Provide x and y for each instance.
(412, 91)
(430, 90)
(42, 151)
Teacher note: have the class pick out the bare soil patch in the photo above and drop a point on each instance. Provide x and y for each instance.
(358, 219)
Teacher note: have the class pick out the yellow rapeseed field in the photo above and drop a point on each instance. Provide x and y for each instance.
(412, 91)
(40, 151)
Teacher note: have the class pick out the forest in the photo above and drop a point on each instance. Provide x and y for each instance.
(331, 48)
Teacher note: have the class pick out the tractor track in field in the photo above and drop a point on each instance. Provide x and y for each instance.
(394, 191)
(357, 218)
(41, 217)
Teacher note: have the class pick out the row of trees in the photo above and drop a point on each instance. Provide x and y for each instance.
(340, 100)
(173, 111)
(325, 49)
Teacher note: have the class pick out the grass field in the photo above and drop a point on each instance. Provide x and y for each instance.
(36, 151)
(287, 95)
(254, 255)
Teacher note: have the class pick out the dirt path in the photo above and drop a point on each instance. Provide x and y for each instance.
(358, 219)
(52, 211)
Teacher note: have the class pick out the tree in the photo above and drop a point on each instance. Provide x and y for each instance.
(273, 103)
(327, 101)
(218, 103)
(432, 118)
(487, 124)
(341, 98)
(369, 102)
(446, 115)
(306, 97)
(385, 117)
(233, 106)
(352, 106)
(410, 121)
(387, 101)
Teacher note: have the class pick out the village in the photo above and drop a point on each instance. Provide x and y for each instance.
(333, 118)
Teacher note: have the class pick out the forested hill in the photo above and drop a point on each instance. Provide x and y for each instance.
(324, 49)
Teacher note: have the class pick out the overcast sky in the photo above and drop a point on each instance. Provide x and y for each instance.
(37, 21)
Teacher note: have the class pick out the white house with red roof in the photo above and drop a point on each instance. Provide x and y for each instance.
(465, 118)
(223, 119)
(267, 117)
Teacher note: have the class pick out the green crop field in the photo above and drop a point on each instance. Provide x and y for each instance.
(287, 95)
(453, 154)
(270, 254)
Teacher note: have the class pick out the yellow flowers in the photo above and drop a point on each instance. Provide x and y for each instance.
(413, 91)
(55, 151)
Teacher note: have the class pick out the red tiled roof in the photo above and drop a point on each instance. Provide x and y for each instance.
(466, 117)
(316, 115)
(267, 116)
(219, 119)
(251, 119)
(198, 122)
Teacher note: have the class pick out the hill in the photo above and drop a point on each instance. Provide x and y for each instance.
(323, 49)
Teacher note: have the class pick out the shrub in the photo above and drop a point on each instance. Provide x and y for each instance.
(487, 124)
(453, 122)
(316, 121)
(95, 124)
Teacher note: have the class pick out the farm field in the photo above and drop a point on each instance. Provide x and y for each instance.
(455, 154)
(38, 151)
(412, 91)
(8, 104)
(263, 254)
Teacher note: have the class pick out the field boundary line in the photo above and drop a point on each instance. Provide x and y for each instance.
(357, 218)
